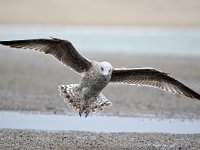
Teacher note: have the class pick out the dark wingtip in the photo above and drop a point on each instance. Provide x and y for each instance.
(1, 42)
(197, 96)
(8, 43)
(192, 94)
(4, 42)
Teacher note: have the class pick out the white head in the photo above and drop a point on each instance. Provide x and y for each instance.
(105, 69)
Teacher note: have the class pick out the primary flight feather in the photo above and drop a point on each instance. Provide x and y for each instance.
(86, 96)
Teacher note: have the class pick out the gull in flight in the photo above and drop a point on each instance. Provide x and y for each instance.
(86, 96)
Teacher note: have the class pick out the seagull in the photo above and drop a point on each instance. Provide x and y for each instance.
(86, 96)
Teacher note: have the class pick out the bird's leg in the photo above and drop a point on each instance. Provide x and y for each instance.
(83, 106)
(90, 106)
(87, 111)
(81, 110)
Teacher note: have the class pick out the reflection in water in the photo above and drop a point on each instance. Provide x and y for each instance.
(16, 120)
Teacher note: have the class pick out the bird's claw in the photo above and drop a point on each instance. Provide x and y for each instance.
(81, 110)
(87, 111)
(84, 109)
(80, 114)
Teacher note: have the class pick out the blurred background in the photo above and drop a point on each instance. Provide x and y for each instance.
(96, 12)
(141, 26)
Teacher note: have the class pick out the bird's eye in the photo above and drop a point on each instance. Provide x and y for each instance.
(101, 68)
(110, 70)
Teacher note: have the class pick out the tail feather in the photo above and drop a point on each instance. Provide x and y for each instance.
(68, 92)
(101, 103)
(72, 97)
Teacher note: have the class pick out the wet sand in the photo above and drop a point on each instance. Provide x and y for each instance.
(29, 80)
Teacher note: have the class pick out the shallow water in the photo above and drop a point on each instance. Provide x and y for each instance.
(16, 120)
(182, 41)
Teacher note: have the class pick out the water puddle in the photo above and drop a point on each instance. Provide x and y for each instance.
(16, 120)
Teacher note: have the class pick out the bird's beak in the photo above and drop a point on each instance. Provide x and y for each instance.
(106, 74)
(106, 77)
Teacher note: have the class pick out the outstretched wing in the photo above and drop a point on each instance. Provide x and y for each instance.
(152, 78)
(63, 50)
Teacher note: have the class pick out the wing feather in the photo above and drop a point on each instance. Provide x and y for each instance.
(154, 78)
(61, 49)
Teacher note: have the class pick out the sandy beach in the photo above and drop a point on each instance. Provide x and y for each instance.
(25, 139)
